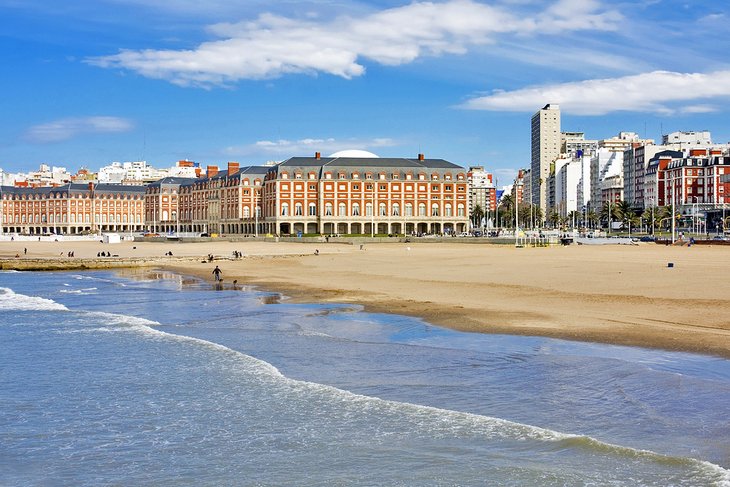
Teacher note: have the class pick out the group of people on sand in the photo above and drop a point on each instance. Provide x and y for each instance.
(103, 254)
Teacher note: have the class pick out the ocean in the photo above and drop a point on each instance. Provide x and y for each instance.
(149, 378)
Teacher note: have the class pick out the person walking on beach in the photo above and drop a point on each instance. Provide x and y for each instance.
(217, 273)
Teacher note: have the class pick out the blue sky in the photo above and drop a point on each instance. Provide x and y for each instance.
(87, 83)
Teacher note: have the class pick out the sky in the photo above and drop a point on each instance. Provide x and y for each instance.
(85, 83)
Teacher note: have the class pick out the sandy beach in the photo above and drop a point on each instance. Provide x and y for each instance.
(611, 294)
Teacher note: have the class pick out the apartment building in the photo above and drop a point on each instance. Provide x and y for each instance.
(545, 149)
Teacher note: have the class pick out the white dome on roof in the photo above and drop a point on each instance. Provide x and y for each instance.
(353, 153)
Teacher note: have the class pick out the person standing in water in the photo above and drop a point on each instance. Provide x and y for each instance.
(217, 273)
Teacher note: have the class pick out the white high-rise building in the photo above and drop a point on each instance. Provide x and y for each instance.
(605, 163)
(546, 141)
(687, 139)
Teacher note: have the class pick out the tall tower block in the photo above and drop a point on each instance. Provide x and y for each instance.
(545, 149)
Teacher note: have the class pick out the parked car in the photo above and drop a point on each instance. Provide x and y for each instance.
(647, 238)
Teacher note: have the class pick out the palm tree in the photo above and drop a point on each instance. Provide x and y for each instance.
(592, 218)
(574, 217)
(506, 206)
(651, 215)
(554, 218)
(524, 216)
(476, 216)
(625, 213)
(609, 213)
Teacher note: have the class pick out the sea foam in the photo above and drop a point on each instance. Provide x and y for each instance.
(12, 301)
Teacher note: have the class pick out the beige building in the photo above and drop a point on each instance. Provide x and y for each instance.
(546, 144)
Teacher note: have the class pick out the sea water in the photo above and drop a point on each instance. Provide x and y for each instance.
(158, 379)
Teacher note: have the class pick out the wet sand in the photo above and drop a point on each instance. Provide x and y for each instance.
(610, 294)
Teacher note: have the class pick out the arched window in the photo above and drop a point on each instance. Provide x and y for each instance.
(368, 209)
(460, 210)
(246, 212)
(435, 209)
(342, 209)
(312, 209)
(421, 209)
(298, 209)
(382, 209)
(356, 209)
(409, 209)
(328, 209)
(284, 209)
(396, 209)
(447, 210)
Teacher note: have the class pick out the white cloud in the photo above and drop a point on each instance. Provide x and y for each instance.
(68, 128)
(657, 91)
(307, 146)
(273, 45)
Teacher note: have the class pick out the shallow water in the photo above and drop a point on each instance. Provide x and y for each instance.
(138, 380)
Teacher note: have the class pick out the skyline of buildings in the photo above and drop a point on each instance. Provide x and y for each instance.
(568, 174)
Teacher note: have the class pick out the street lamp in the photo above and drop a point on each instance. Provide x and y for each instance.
(652, 215)
(372, 210)
(694, 214)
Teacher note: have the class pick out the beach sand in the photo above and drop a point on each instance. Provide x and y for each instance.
(611, 294)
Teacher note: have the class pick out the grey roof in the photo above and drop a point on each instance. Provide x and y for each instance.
(672, 153)
(366, 163)
(76, 188)
(247, 170)
(172, 181)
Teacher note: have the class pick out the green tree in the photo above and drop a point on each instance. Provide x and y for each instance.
(554, 219)
(652, 217)
(506, 210)
(574, 218)
(476, 216)
(625, 214)
(609, 213)
(592, 218)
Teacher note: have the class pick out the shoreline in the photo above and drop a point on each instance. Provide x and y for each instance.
(622, 295)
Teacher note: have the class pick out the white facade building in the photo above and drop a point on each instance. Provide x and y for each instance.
(605, 163)
(687, 139)
(572, 177)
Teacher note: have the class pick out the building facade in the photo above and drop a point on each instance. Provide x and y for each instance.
(365, 195)
(545, 149)
(72, 209)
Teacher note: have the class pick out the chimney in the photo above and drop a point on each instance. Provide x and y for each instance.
(317, 155)
(211, 171)
(197, 172)
(420, 157)
(232, 167)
